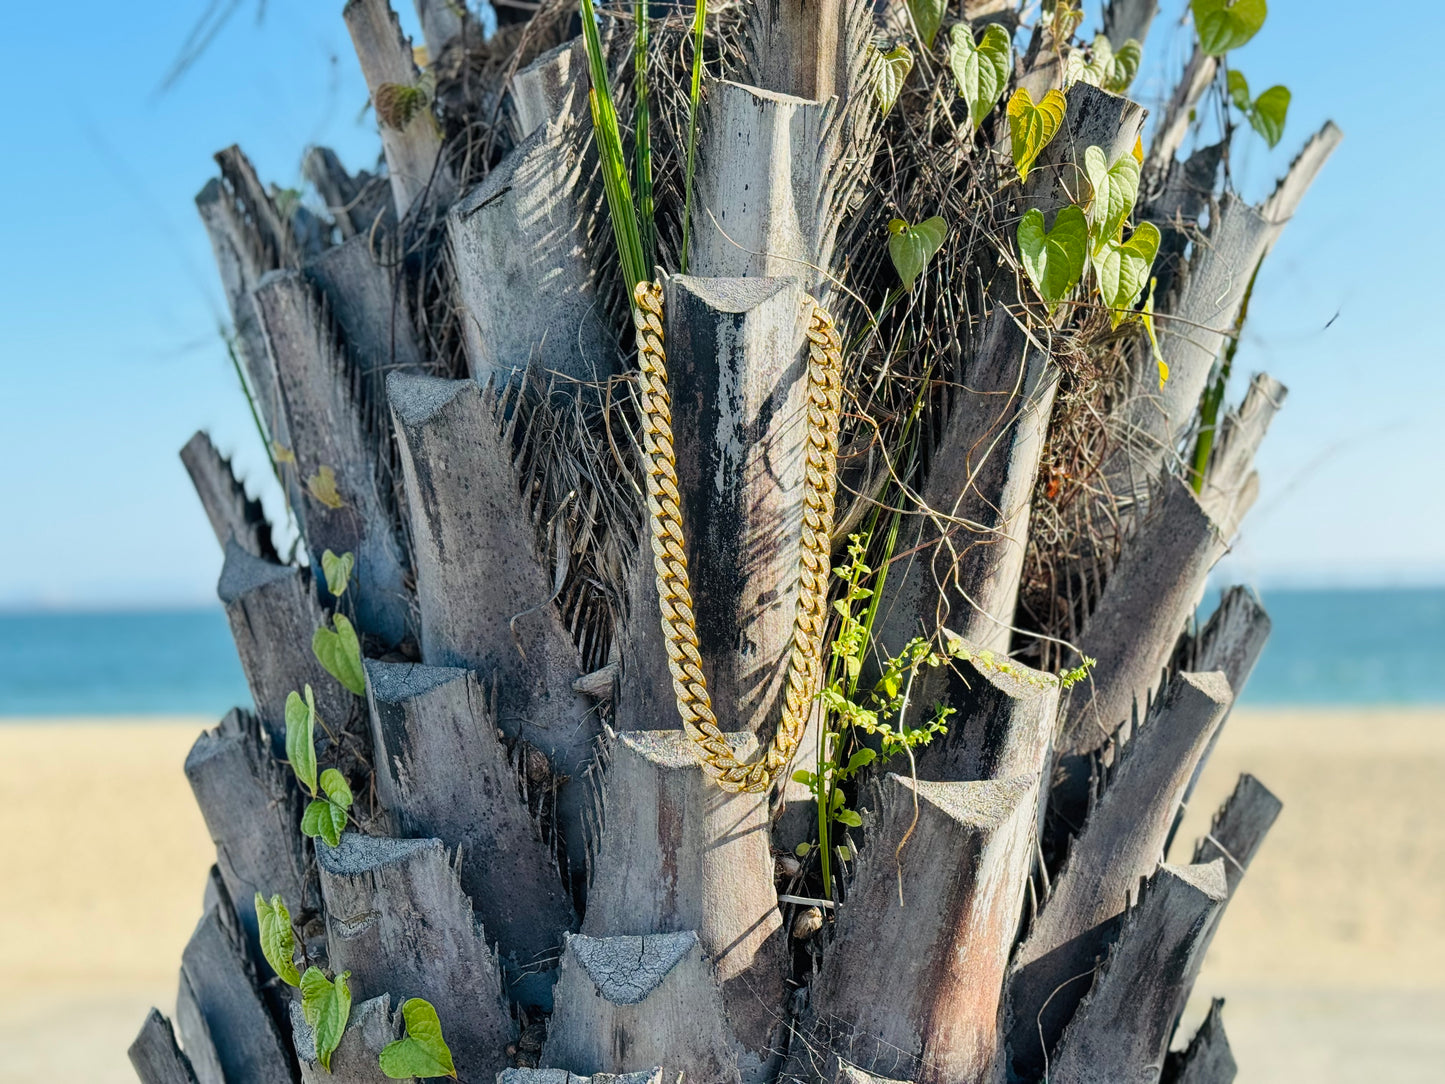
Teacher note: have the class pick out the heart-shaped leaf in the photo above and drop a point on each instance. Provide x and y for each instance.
(1063, 21)
(326, 1006)
(1054, 259)
(337, 571)
(1124, 68)
(1114, 190)
(278, 941)
(1123, 269)
(1268, 115)
(1032, 126)
(1223, 25)
(324, 818)
(322, 486)
(911, 247)
(890, 70)
(423, 1052)
(340, 653)
(927, 18)
(981, 69)
(301, 738)
(335, 786)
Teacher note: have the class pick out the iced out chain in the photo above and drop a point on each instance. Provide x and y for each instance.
(679, 629)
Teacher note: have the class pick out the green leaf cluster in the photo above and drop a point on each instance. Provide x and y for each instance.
(327, 1007)
(912, 247)
(981, 69)
(422, 1052)
(1032, 126)
(340, 653)
(326, 816)
(1266, 114)
(1102, 67)
(1223, 25)
(278, 940)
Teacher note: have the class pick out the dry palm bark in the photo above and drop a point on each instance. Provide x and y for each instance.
(441, 359)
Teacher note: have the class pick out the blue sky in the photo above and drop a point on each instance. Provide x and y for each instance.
(110, 355)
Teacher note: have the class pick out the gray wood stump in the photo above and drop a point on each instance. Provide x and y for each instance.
(1121, 1031)
(330, 425)
(1207, 1059)
(232, 514)
(678, 853)
(441, 771)
(354, 203)
(485, 600)
(550, 87)
(910, 987)
(627, 1004)
(397, 919)
(364, 299)
(1122, 841)
(226, 1028)
(1146, 602)
(155, 1056)
(253, 813)
(525, 280)
(273, 613)
(562, 1076)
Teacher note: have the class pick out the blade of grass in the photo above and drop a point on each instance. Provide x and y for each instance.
(642, 141)
(620, 205)
(699, 23)
(1213, 397)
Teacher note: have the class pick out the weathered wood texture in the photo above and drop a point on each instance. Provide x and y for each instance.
(737, 377)
(354, 202)
(412, 150)
(273, 613)
(626, 1004)
(844, 1073)
(550, 87)
(1148, 598)
(363, 298)
(1120, 1033)
(226, 1028)
(485, 600)
(356, 1059)
(911, 986)
(155, 1056)
(1176, 206)
(810, 67)
(331, 425)
(1125, 19)
(253, 813)
(1207, 1059)
(1238, 829)
(1198, 75)
(760, 205)
(525, 279)
(233, 515)
(678, 853)
(562, 1076)
(1230, 481)
(1121, 842)
(442, 772)
(397, 919)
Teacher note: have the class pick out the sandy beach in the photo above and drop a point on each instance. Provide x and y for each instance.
(1331, 957)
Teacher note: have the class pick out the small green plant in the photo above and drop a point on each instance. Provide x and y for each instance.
(1113, 190)
(699, 27)
(1266, 114)
(337, 571)
(422, 1052)
(927, 16)
(1102, 67)
(301, 738)
(981, 69)
(278, 941)
(912, 247)
(1054, 258)
(326, 816)
(890, 72)
(326, 1005)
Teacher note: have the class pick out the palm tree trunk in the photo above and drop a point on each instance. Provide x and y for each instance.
(443, 372)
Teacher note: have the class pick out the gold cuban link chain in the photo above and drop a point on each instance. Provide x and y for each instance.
(679, 629)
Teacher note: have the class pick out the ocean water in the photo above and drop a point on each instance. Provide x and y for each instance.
(1338, 647)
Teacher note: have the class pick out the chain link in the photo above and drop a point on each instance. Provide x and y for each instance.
(674, 596)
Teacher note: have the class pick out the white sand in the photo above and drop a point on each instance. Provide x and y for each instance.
(1332, 955)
